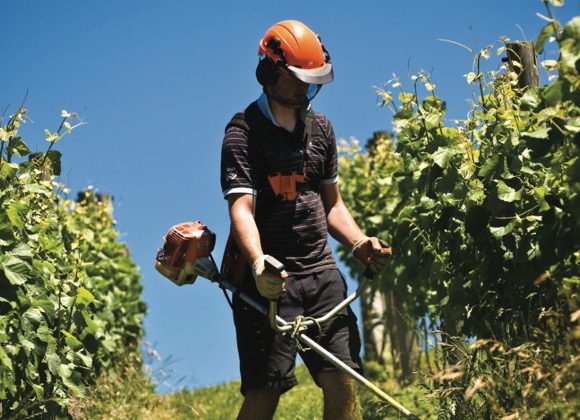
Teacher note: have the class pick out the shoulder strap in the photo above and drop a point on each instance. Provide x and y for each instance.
(238, 120)
(311, 132)
(246, 119)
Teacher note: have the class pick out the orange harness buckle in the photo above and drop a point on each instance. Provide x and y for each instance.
(285, 186)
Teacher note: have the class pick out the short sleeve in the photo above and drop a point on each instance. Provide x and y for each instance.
(236, 173)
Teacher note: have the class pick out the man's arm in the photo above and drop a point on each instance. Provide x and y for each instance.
(341, 225)
(343, 228)
(241, 206)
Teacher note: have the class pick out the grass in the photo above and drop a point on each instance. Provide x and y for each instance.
(223, 401)
(536, 380)
(131, 395)
(303, 402)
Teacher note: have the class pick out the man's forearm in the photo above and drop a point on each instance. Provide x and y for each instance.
(244, 227)
(342, 226)
(247, 237)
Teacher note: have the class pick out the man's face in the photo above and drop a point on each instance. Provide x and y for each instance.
(288, 90)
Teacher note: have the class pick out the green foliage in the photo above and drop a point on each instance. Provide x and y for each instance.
(70, 294)
(483, 216)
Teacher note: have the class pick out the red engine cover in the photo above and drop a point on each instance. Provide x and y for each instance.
(186, 242)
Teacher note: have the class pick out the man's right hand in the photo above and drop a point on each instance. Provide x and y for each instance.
(373, 253)
(269, 284)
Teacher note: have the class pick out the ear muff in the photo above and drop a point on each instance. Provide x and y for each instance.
(266, 72)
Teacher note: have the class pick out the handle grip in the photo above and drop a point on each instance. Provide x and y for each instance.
(384, 243)
(273, 265)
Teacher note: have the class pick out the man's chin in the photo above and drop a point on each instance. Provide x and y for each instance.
(291, 103)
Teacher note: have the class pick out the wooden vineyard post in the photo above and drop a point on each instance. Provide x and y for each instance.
(521, 58)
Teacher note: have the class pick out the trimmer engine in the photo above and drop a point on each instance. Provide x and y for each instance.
(186, 253)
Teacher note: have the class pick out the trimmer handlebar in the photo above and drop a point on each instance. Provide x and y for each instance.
(187, 249)
(275, 266)
(287, 326)
(281, 326)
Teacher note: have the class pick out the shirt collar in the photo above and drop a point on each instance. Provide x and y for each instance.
(265, 108)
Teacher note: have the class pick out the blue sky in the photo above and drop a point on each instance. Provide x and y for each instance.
(156, 82)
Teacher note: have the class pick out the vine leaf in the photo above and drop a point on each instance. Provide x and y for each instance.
(499, 231)
(84, 297)
(442, 156)
(507, 193)
(38, 189)
(17, 147)
(53, 361)
(71, 378)
(72, 341)
(5, 359)
(543, 37)
(538, 134)
(489, 166)
(15, 212)
(92, 326)
(16, 270)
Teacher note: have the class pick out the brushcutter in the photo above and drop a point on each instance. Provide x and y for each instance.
(186, 254)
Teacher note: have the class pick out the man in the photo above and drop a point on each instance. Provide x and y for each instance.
(279, 176)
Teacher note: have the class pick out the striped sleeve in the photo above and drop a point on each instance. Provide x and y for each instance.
(236, 174)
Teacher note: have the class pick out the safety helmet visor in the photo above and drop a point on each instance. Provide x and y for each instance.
(317, 76)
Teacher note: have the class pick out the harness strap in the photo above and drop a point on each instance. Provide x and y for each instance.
(286, 186)
(310, 127)
(238, 120)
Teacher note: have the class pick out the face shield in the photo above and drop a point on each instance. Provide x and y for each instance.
(290, 91)
(313, 90)
(314, 77)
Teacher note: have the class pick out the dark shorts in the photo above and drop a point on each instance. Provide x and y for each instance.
(267, 359)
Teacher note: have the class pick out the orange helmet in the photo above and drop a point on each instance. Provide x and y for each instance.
(292, 45)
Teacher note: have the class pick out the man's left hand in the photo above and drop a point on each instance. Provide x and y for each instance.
(373, 253)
